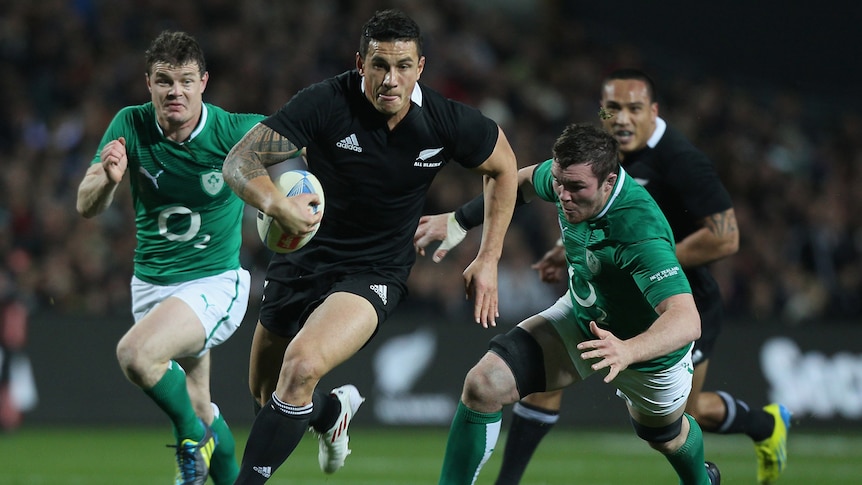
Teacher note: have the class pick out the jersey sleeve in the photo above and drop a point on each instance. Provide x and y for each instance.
(654, 268)
(543, 182)
(476, 135)
(241, 123)
(121, 125)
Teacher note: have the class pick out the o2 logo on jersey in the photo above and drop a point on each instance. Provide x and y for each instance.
(191, 232)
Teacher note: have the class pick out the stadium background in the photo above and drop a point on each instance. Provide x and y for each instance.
(768, 91)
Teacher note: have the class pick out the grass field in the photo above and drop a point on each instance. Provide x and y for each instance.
(137, 456)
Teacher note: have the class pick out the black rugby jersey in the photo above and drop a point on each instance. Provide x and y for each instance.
(684, 182)
(374, 180)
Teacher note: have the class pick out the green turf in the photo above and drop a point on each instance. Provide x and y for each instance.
(390, 456)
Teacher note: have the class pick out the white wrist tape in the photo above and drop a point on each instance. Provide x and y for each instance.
(454, 233)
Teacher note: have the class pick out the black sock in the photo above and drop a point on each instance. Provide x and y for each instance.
(276, 431)
(756, 423)
(529, 425)
(326, 410)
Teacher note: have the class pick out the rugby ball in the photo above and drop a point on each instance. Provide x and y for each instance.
(290, 183)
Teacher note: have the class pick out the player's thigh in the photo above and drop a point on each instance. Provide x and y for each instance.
(560, 372)
(341, 325)
(656, 398)
(216, 304)
(168, 331)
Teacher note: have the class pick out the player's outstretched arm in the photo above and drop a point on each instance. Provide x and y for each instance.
(244, 170)
(438, 227)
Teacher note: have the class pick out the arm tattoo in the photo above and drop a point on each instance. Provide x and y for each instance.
(722, 223)
(258, 149)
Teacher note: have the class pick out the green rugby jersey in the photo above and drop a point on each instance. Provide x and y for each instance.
(621, 264)
(188, 220)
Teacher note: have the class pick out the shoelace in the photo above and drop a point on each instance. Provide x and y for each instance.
(186, 460)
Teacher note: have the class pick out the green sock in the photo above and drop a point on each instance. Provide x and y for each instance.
(172, 396)
(223, 467)
(688, 460)
(471, 441)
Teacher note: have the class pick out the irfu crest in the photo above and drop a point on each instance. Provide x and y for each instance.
(212, 182)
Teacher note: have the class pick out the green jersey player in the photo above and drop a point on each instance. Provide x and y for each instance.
(629, 315)
(189, 292)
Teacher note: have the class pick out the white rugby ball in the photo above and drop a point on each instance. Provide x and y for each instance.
(290, 183)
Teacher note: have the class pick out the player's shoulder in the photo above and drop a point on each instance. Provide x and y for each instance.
(217, 113)
(335, 87)
(434, 102)
(634, 214)
(675, 146)
(136, 112)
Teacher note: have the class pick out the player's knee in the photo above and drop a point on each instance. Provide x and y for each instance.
(131, 361)
(489, 382)
(659, 438)
(524, 358)
(301, 370)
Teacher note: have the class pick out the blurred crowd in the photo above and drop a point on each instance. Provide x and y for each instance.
(789, 160)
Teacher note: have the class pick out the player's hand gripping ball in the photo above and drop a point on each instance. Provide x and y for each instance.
(290, 183)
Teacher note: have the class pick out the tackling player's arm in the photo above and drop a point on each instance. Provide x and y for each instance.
(677, 325)
(717, 238)
(500, 173)
(96, 191)
(244, 170)
(451, 227)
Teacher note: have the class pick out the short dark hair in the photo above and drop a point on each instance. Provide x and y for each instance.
(634, 74)
(175, 49)
(587, 144)
(389, 26)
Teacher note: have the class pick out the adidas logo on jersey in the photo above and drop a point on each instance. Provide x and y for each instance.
(350, 143)
(266, 471)
(380, 290)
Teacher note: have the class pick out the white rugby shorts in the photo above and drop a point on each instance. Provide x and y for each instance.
(219, 301)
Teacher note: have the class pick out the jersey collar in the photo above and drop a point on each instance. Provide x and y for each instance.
(415, 96)
(660, 127)
(618, 187)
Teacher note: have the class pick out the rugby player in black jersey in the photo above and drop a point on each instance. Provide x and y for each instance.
(375, 137)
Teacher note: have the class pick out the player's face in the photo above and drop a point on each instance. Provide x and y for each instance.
(581, 194)
(632, 113)
(177, 94)
(391, 70)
